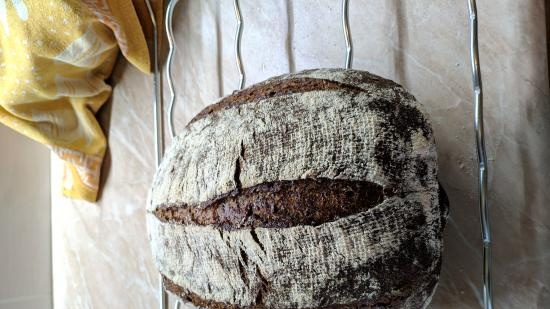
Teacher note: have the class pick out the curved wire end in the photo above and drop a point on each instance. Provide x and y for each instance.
(172, 49)
(482, 155)
(347, 34)
(177, 305)
(238, 35)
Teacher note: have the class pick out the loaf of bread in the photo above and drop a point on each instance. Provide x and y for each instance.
(310, 190)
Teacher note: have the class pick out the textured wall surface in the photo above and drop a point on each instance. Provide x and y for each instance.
(25, 239)
(101, 253)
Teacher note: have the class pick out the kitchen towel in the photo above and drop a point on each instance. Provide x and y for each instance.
(54, 58)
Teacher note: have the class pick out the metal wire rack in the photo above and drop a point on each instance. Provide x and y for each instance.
(477, 123)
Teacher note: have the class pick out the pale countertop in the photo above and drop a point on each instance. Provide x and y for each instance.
(101, 256)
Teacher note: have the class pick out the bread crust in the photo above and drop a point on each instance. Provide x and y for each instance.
(279, 204)
(249, 208)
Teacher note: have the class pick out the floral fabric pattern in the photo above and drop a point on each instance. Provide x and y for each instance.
(54, 58)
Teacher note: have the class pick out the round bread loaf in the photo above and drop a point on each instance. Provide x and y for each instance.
(310, 190)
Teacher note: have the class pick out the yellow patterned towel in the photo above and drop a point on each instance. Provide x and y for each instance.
(54, 58)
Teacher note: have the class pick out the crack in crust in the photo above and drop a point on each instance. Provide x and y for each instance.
(280, 204)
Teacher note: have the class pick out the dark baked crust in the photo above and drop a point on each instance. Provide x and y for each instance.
(271, 89)
(280, 204)
(282, 85)
(278, 86)
(196, 300)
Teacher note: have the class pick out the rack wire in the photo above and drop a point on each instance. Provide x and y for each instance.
(347, 34)
(477, 102)
(238, 37)
(481, 156)
(171, 51)
(157, 120)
